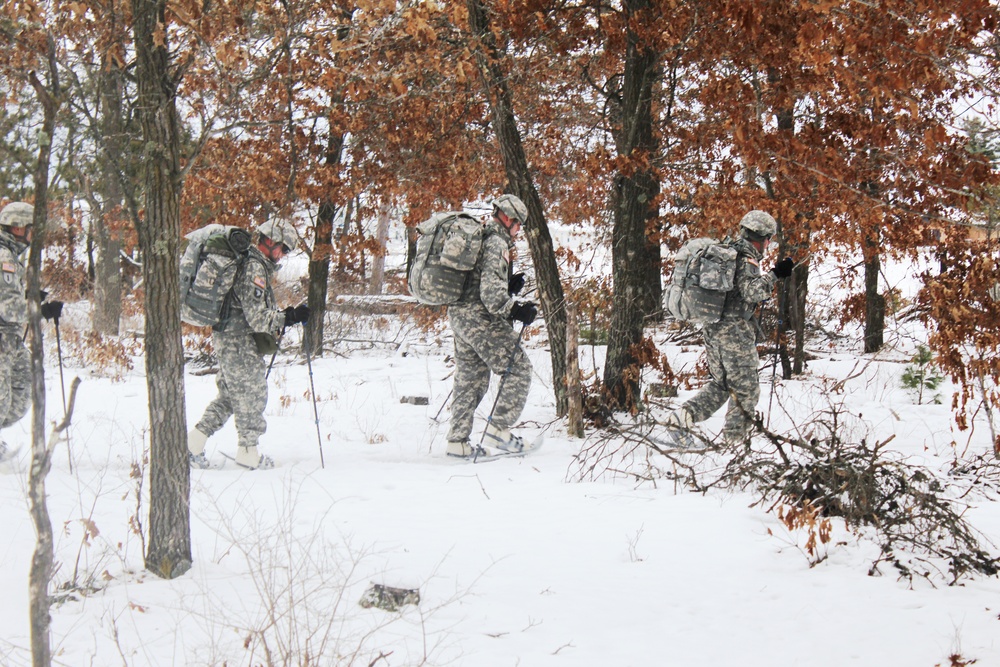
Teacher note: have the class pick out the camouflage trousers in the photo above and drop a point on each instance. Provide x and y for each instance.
(242, 388)
(484, 344)
(731, 349)
(15, 379)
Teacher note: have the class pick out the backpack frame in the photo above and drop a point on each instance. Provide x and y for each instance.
(210, 266)
(448, 248)
(704, 274)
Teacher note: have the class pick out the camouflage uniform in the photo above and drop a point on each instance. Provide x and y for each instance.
(731, 348)
(15, 365)
(241, 380)
(485, 339)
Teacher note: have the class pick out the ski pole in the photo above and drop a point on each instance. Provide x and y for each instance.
(503, 379)
(312, 391)
(277, 346)
(441, 409)
(62, 385)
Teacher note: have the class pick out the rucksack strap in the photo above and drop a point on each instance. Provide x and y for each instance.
(227, 302)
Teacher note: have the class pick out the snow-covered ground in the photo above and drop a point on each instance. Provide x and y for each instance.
(518, 562)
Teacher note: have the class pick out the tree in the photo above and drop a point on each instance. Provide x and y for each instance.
(169, 550)
(635, 197)
(490, 57)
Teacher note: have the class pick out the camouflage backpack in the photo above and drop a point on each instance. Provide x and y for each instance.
(214, 257)
(704, 273)
(447, 250)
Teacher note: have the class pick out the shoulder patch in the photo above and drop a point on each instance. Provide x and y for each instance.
(8, 267)
(506, 255)
(260, 282)
(751, 260)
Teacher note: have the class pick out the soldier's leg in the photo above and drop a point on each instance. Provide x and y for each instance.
(498, 348)
(220, 409)
(744, 385)
(17, 369)
(472, 377)
(6, 367)
(713, 395)
(248, 389)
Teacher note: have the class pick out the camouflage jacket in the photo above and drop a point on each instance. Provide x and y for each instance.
(752, 286)
(251, 304)
(487, 282)
(13, 305)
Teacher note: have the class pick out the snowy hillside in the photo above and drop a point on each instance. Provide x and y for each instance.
(518, 562)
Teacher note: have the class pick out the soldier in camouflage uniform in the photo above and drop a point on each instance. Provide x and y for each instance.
(15, 365)
(730, 344)
(485, 342)
(244, 335)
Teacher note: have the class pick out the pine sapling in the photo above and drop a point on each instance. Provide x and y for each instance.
(921, 374)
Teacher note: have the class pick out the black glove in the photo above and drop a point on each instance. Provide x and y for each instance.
(51, 310)
(524, 312)
(296, 315)
(42, 295)
(515, 284)
(783, 269)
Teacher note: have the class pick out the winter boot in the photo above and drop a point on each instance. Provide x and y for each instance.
(679, 424)
(196, 449)
(247, 457)
(503, 439)
(459, 448)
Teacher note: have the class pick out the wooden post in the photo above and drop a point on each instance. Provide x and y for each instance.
(574, 396)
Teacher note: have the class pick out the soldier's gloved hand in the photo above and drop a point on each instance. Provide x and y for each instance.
(296, 315)
(524, 312)
(783, 268)
(51, 310)
(515, 284)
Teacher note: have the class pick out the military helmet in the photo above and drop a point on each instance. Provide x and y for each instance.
(512, 207)
(17, 214)
(280, 231)
(760, 223)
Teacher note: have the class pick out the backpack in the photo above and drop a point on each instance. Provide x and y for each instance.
(447, 250)
(214, 257)
(704, 273)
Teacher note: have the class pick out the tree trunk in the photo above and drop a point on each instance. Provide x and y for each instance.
(378, 262)
(574, 394)
(635, 190)
(799, 293)
(874, 301)
(107, 271)
(169, 550)
(319, 275)
(520, 183)
(319, 260)
(41, 459)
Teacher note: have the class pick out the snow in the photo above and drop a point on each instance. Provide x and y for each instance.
(518, 562)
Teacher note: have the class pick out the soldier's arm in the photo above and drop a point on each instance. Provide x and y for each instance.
(754, 286)
(254, 295)
(13, 306)
(493, 286)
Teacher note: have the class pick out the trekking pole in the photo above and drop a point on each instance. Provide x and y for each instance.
(312, 391)
(441, 409)
(277, 346)
(503, 379)
(777, 341)
(62, 385)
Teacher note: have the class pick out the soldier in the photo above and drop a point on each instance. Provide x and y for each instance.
(15, 364)
(730, 344)
(485, 342)
(245, 334)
